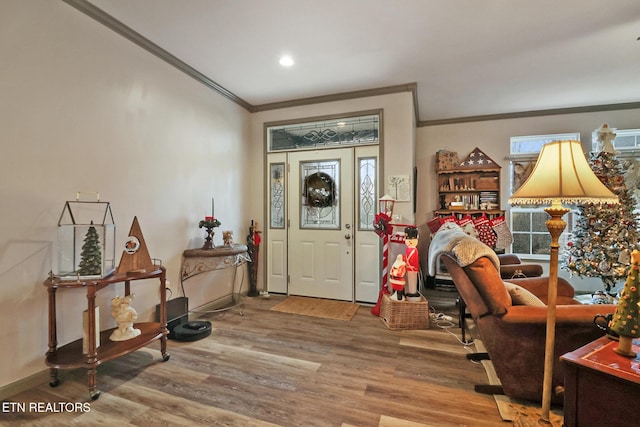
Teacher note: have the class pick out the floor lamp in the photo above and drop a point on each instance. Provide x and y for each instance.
(560, 175)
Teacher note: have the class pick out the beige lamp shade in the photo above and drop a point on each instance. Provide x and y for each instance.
(562, 175)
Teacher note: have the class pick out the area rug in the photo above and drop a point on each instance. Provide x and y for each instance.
(521, 413)
(318, 307)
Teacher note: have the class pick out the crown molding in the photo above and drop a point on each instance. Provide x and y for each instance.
(117, 26)
(532, 113)
(341, 96)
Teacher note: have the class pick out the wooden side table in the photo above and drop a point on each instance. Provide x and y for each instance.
(71, 355)
(197, 261)
(601, 386)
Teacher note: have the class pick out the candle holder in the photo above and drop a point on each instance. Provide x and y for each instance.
(209, 223)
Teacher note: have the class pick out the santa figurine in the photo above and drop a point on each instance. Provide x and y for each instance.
(413, 262)
(396, 278)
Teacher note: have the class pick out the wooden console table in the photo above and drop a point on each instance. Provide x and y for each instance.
(71, 355)
(601, 386)
(197, 261)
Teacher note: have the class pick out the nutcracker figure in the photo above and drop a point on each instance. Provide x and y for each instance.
(412, 260)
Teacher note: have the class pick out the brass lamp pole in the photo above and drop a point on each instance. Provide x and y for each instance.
(556, 226)
(560, 175)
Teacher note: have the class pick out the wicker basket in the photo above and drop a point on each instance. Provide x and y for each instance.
(404, 314)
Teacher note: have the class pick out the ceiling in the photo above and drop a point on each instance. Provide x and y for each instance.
(461, 58)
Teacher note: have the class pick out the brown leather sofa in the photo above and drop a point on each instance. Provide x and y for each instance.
(514, 335)
(511, 267)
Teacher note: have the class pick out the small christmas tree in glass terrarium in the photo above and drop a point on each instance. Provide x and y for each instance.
(91, 255)
(85, 244)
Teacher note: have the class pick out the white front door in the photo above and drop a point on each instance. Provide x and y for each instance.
(321, 231)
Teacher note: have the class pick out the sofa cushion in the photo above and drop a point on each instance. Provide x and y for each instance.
(521, 296)
(509, 259)
(487, 280)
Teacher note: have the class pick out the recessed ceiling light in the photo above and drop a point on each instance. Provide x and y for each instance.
(286, 61)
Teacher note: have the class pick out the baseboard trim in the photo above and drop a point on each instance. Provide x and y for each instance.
(24, 384)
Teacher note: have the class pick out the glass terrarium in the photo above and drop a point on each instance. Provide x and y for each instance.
(86, 240)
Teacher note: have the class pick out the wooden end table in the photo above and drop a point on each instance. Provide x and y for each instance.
(73, 355)
(601, 386)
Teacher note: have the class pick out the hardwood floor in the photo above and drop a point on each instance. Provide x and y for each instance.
(269, 368)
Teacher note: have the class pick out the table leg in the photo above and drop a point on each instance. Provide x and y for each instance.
(53, 335)
(91, 380)
(92, 355)
(53, 377)
(163, 316)
(462, 309)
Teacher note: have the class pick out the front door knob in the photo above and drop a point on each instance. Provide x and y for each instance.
(347, 236)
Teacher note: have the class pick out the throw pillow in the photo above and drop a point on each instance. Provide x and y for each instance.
(487, 280)
(521, 296)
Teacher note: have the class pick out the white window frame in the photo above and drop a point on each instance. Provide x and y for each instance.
(526, 149)
(545, 250)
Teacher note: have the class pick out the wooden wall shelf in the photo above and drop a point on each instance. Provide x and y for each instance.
(477, 192)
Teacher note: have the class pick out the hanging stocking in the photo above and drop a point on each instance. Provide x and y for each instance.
(434, 225)
(503, 234)
(485, 232)
(437, 222)
(466, 223)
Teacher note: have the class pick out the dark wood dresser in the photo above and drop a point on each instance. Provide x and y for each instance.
(601, 386)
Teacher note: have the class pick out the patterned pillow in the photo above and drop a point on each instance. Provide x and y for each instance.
(521, 296)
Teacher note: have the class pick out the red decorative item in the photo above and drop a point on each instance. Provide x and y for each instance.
(375, 310)
(450, 218)
(382, 224)
(485, 232)
(253, 248)
(382, 227)
(467, 225)
(434, 225)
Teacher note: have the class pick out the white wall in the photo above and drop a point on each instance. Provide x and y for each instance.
(83, 109)
(492, 137)
(398, 138)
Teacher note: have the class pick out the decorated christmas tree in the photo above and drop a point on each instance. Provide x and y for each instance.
(626, 319)
(91, 255)
(604, 235)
